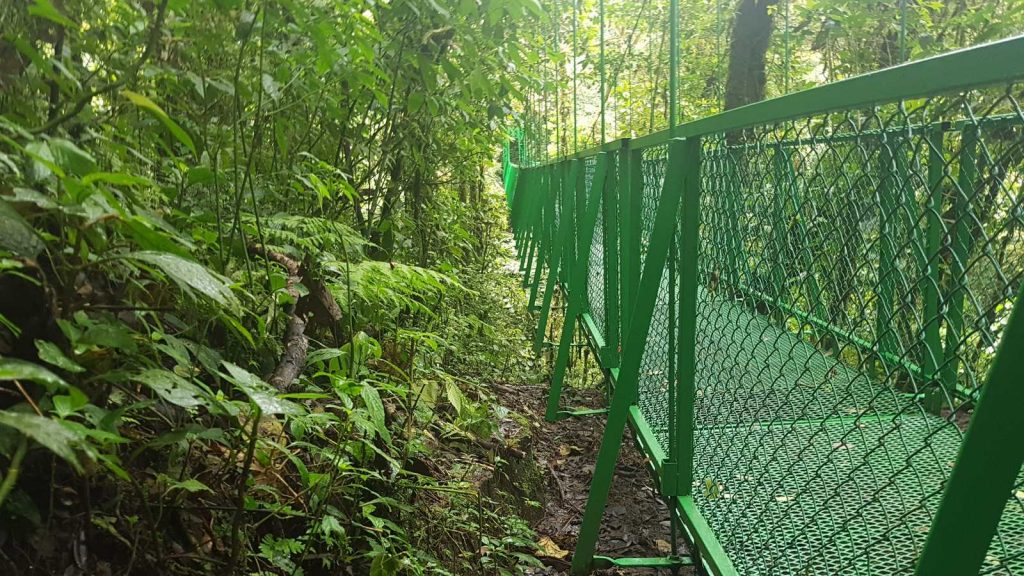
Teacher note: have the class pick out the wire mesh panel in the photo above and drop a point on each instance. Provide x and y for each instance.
(656, 377)
(596, 270)
(654, 162)
(856, 269)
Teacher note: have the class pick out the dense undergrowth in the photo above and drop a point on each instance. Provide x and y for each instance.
(248, 300)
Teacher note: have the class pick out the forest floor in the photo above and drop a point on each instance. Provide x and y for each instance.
(636, 520)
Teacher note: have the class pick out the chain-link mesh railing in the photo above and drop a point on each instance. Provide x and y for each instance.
(855, 271)
(596, 268)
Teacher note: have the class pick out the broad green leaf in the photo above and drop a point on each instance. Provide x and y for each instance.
(46, 10)
(117, 179)
(17, 235)
(14, 369)
(149, 239)
(375, 409)
(71, 158)
(199, 175)
(51, 354)
(67, 404)
(416, 100)
(191, 276)
(259, 392)
(151, 107)
(191, 485)
(456, 397)
(171, 387)
(108, 335)
(46, 432)
(43, 164)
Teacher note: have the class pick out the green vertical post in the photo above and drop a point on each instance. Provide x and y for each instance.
(522, 220)
(577, 292)
(986, 467)
(933, 356)
(785, 50)
(734, 206)
(582, 201)
(779, 237)
(632, 207)
(612, 256)
(961, 249)
(636, 340)
(686, 339)
(885, 337)
(569, 211)
(543, 241)
(792, 194)
(529, 225)
(568, 171)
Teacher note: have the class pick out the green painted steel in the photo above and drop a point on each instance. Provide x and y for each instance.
(575, 301)
(987, 467)
(814, 297)
(629, 373)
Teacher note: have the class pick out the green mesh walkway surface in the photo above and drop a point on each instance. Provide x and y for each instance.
(834, 497)
(790, 488)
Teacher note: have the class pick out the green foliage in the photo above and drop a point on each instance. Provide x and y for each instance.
(178, 181)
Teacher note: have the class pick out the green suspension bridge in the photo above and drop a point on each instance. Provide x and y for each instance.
(804, 309)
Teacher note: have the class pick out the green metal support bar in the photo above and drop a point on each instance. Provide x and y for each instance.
(987, 466)
(629, 372)
(632, 206)
(577, 294)
(540, 232)
(711, 551)
(887, 238)
(666, 563)
(933, 353)
(557, 255)
(686, 343)
(961, 247)
(613, 223)
(610, 243)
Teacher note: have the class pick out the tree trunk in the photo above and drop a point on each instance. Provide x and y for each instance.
(751, 31)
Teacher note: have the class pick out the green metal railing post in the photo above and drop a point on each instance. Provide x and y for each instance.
(577, 290)
(558, 253)
(961, 248)
(686, 339)
(779, 240)
(612, 254)
(575, 103)
(933, 353)
(626, 387)
(806, 258)
(569, 212)
(544, 240)
(632, 208)
(986, 468)
(887, 266)
(532, 217)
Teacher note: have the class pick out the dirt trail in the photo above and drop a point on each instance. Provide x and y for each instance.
(636, 522)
